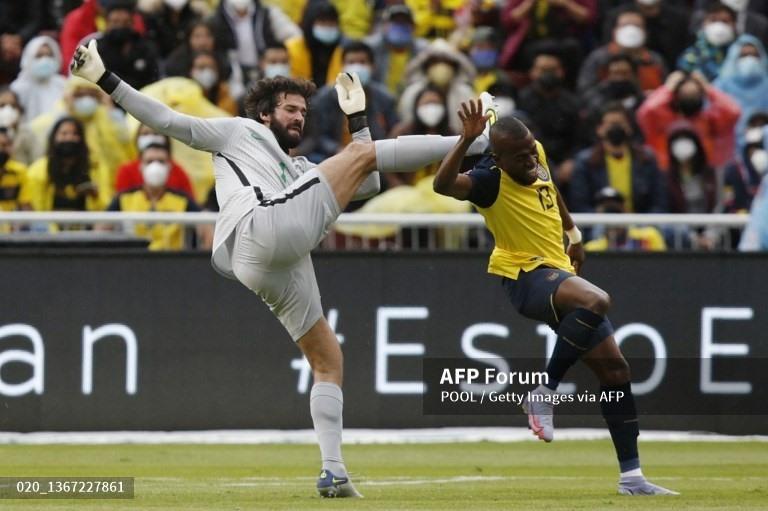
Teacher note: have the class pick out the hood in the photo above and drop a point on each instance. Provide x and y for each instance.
(443, 49)
(32, 47)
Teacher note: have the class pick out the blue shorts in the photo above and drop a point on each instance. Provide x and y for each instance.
(533, 293)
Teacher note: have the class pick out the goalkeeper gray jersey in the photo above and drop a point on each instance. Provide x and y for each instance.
(247, 160)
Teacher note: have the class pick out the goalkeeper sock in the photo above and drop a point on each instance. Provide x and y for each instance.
(412, 152)
(326, 403)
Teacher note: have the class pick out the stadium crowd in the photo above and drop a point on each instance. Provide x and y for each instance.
(643, 106)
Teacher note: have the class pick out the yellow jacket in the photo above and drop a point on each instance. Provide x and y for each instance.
(37, 190)
(301, 61)
(355, 16)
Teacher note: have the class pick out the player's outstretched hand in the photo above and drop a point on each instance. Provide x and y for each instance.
(472, 119)
(351, 93)
(577, 255)
(87, 63)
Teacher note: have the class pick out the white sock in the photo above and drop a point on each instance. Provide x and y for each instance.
(412, 152)
(326, 403)
(632, 473)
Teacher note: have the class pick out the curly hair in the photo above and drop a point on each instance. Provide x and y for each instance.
(263, 97)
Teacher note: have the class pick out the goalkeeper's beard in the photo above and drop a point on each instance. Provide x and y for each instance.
(286, 139)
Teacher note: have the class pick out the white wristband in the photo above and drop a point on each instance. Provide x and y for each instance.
(574, 235)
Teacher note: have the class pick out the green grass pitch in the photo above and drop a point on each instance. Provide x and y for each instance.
(527, 476)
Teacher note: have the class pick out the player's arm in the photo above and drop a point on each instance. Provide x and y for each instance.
(351, 95)
(208, 135)
(448, 181)
(575, 246)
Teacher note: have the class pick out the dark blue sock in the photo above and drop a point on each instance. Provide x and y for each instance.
(621, 417)
(577, 334)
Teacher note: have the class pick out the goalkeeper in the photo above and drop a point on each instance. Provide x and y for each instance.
(276, 208)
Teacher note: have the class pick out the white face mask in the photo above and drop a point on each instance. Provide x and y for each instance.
(9, 116)
(759, 160)
(273, 70)
(155, 174)
(648, 2)
(145, 141)
(431, 114)
(630, 36)
(683, 149)
(240, 5)
(718, 33)
(85, 106)
(43, 67)
(754, 135)
(176, 5)
(206, 77)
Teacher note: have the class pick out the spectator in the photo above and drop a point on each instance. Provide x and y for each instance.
(107, 137)
(169, 21)
(554, 111)
(10, 57)
(154, 195)
(316, 55)
(744, 77)
(691, 179)
(12, 175)
(39, 85)
(21, 20)
(530, 23)
(327, 129)
(248, 28)
(718, 31)
(394, 45)
(83, 22)
(750, 15)
(63, 179)
(484, 53)
(126, 52)
(743, 174)
(206, 72)
(430, 117)
(620, 84)
(620, 238)
(755, 235)
(629, 37)
(666, 26)
(275, 62)
(434, 19)
(712, 113)
(442, 66)
(617, 162)
(129, 174)
(23, 140)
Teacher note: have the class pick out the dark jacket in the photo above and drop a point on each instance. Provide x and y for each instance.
(262, 28)
(556, 120)
(130, 56)
(590, 175)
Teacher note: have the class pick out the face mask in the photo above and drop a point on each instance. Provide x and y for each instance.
(119, 35)
(431, 114)
(754, 135)
(362, 70)
(616, 135)
(683, 149)
(145, 141)
(240, 5)
(750, 67)
(273, 70)
(4, 157)
(43, 67)
(399, 34)
(206, 77)
(718, 33)
(176, 5)
(759, 160)
(621, 88)
(484, 59)
(325, 34)
(66, 149)
(85, 106)
(549, 81)
(155, 174)
(9, 116)
(690, 106)
(648, 3)
(440, 74)
(630, 36)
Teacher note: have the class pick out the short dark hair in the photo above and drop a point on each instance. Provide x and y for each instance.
(263, 97)
(621, 57)
(357, 47)
(613, 107)
(510, 126)
(720, 7)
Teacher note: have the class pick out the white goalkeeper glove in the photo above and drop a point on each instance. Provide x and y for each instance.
(351, 93)
(87, 63)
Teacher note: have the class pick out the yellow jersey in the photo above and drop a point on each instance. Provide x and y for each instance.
(524, 220)
(12, 177)
(161, 236)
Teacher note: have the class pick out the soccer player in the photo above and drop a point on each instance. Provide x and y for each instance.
(513, 190)
(276, 208)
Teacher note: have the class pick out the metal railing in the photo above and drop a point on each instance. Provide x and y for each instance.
(407, 231)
